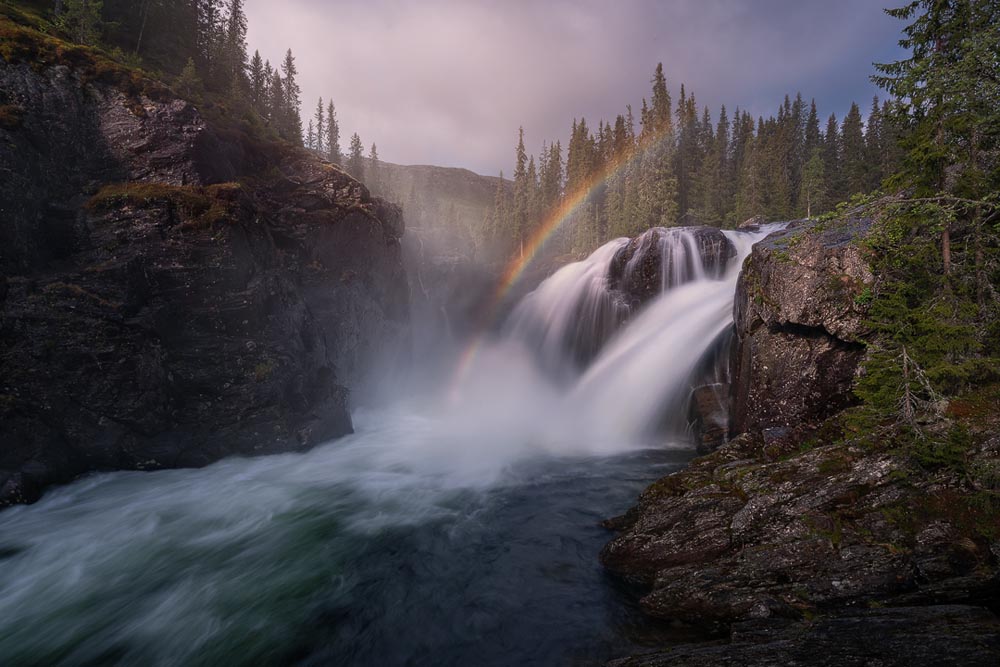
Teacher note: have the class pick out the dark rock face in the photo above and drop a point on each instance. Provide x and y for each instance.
(661, 258)
(72, 138)
(903, 637)
(180, 323)
(799, 324)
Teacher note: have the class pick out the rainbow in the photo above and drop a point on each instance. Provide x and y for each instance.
(517, 265)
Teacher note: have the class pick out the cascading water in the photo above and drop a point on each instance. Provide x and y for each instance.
(628, 363)
(464, 533)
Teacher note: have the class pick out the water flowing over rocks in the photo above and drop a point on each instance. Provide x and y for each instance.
(154, 313)
(792, 541)
(662, 258)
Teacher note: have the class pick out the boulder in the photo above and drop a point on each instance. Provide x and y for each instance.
(665, 257)
(800, 311)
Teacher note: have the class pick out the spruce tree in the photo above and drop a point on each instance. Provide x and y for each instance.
(258, 84)
(234, 59)
(292, 126)
(373, 179)
(356, 159)
(874, 146)
(310, 136)
(522, 195)
(853, 147)
(320, 126)
(276, 112)
(832, 160)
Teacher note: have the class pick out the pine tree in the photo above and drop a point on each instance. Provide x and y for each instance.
(276, 111)
(534, 198)
(310, 136)
(750, 198)
(292, 125)
(522, 195)
(211, 40)
(853, 147)
(235, 49)
(813, 138)
(552, 177)
(874, 143)
(320, 126)
(832, 160)
(258, 84)
(659, 114)
(356, 159)
(332, 134)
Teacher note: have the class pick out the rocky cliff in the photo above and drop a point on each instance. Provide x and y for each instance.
(806, 530)
(172, 289)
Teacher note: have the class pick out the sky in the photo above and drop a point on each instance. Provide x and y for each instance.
(448, 82)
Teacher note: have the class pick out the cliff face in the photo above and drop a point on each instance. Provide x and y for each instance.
(155, 312)
(799, 312)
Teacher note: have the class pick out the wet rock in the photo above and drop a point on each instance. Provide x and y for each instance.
(708, 416)
(800, 308)
(742, 534)
(661, 258)
(752, 224)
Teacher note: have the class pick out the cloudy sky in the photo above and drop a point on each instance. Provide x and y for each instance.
(448, 82)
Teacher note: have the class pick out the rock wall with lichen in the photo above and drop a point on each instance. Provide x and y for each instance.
(175, 290)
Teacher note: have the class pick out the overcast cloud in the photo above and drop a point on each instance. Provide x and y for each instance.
(448, 82)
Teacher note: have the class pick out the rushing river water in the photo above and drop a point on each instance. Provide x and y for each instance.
(361, 552)
(460, 530)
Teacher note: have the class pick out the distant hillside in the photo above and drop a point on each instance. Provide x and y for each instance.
(445, 206)
(435, 196)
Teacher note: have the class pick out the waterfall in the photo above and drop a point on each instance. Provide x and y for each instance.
(622, 335)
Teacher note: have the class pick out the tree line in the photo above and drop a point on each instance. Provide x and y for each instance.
(681, 166)
(202, 44)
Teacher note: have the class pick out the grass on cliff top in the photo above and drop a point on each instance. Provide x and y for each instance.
(26, 37)
(202, 206)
